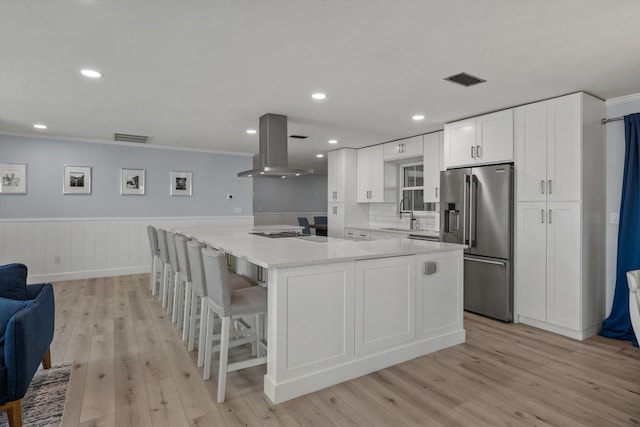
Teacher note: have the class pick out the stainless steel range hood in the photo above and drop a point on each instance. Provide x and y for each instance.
(273, 149)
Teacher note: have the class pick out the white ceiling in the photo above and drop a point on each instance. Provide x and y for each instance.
(197, 74)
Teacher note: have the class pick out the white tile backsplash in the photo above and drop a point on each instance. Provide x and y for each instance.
(385, 215)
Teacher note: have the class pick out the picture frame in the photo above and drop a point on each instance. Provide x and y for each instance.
(181, 183)
(76, 180)
(13, 178)
(132, 182)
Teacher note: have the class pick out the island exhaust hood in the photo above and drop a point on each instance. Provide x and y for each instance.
(273, 149)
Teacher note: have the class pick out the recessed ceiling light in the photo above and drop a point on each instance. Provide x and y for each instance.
(333, 141)
(418, 117)
(40, 126)
(319, 155)
(297, 174)
(251, 131)
(283, 177)
(319, 95)
(91, 73)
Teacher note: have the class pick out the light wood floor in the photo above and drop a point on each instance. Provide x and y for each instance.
(132, 369)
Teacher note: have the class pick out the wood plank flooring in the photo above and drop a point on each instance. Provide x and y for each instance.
(131, 368)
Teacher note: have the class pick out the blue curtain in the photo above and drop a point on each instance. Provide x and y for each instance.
(618, 324)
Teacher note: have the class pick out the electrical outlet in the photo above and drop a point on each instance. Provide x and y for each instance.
(615, 218)
(57, 259)
(237, 210)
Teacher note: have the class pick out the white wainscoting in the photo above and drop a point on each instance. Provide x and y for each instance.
(79, 248)
(286, 218)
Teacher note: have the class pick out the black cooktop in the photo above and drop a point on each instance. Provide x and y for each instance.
(278, 234)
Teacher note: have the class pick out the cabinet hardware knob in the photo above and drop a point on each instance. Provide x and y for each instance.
(542, 216)
(549, 219)
(478, 152)
(550, 186)
(473, 152)
(542, 186)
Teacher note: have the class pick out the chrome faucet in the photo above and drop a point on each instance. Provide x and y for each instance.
(410, 212)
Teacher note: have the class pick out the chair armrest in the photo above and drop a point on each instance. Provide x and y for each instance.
(27, 338)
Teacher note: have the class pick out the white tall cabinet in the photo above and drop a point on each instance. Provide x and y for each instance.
(559, 282)
(342, 207)
(433, 164)
(371, 174)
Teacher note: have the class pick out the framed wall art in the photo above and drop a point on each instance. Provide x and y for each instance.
(77, 180)
(181, 183)
(14, 178)
(132, 182)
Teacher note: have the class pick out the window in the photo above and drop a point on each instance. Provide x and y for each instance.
(412, 187)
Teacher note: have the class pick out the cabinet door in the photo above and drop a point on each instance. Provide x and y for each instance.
(376, 170)
(494, 137)
(385, 305)
(332, 184)
(459, 139)
(564, 155)
(364, 175)
(564, 283)
(432, 161)
(439, 293)
(335, 220)
(531, 152)
(531, 260)
(404, 148)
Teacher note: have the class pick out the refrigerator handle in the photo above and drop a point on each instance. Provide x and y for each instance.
(473, 207)
(465, 209)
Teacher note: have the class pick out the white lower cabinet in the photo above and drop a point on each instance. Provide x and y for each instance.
(385, 306)
(549, 266)
(335, 220)
(438, 294)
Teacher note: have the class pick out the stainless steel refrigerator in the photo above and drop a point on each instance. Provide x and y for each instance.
(476, 209)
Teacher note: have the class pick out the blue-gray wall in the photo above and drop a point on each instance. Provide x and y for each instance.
(307, 193)
(214, 176)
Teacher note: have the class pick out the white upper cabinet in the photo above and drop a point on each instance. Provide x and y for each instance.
(433, 164)
(479, 140)
(337, 175)
(404, 148)
(548, 150)
(371, 174)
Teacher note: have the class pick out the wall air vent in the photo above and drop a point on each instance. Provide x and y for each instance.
(465, 79)
(125, 137)
(298, 136)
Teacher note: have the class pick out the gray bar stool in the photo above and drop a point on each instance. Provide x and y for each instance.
(178, 288)
(166, 266)
(185, 277)
(225, 302)
(155, 260)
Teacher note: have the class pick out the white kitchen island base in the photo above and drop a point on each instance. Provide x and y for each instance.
(333, 322)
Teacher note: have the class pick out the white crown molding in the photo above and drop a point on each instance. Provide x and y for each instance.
(623, 99)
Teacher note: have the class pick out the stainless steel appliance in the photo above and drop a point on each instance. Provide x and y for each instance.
(476, 209)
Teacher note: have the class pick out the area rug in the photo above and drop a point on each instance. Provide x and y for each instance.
(44, 403)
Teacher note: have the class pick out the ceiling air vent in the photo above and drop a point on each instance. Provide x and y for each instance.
(465, 79)
(125, 137)
(298, 136)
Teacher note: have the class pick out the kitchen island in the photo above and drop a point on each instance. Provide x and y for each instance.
(339, 309)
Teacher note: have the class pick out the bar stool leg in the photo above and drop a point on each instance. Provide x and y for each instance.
(224, 354)
(186, 321)
(204, 330)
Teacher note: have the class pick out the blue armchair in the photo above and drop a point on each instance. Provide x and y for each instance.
(27, 315)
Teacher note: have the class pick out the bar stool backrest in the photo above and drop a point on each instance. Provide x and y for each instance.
(153, 240)
(215, 274)
(194, 251)
(173, 255)
(162, 245)
(183, 260)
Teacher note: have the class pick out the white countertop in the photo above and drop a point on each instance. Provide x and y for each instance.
(292, 251)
